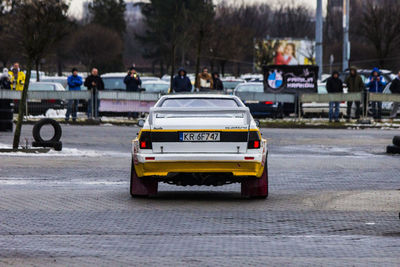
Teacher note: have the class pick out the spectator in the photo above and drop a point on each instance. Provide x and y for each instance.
(181, 82)
(204, 80)
(17, 78)
(354, 84)
(217, 83)
(74, 84)
(94, 83)
(376, 83)
(5, 82)
(132, 81)
(395, 89)
(334, 85)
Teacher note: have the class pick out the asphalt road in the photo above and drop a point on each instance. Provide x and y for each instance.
(334, 200)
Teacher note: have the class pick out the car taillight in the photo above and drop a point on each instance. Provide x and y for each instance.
(254, 140)
(268, 103)
(52, 101)
(145, 140)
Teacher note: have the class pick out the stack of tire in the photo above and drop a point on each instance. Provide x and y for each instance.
(6, 115)
(54, 142)
(395, 148)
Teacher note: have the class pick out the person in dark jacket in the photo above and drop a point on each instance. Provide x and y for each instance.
(74, 84)
(132, 81)
(334, 85)
(354, 84)
(5, 82)
(94, 83)
(395, 89)
(375, 84)
(217, 83)
(181, 82)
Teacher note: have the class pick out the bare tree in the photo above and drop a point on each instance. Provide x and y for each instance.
(35, 27)
(380, 27)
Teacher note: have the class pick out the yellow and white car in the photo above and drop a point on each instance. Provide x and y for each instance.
(199, 140)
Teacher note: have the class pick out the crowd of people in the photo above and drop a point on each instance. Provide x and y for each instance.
(376, 83)
(14, 79)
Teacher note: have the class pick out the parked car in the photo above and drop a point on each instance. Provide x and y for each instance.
(208, 140)
(149, 79)
(114, 81)
(156, 87)
(258, 109)
(40, 106)
(230, 83)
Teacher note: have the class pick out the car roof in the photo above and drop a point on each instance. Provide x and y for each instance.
(114, 75)
(199, 96)
(155, 82)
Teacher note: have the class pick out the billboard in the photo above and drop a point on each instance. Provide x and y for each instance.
(290, 52)
(290, 79)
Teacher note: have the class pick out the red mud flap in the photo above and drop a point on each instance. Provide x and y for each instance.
(142, 187)
(256, 187)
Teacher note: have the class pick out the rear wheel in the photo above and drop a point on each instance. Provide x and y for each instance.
(256, 187)
(142, 187)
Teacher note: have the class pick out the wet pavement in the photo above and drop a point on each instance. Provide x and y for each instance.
(334, 200)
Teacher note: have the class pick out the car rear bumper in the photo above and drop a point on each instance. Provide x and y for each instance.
(163, 164)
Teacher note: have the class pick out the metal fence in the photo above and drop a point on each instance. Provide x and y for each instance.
(117, 103)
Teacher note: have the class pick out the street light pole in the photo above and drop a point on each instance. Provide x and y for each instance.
(319, 38)
(346, 42)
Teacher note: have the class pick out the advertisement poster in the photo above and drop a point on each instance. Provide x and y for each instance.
(284, 52)
(290, 79)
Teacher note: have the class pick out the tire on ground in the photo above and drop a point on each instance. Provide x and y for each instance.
(393, 149)
(38, 126)
(396, 140)
(142, 187)
(256, 187)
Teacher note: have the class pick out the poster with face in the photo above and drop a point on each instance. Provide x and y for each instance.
(284, 52)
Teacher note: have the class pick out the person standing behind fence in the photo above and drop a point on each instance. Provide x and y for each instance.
(181, 82)
(217, 83)
(395, 89)
(133, 83)
(17, 78)
(334, 85)
(94, 83)
(354, 84)
(204, 80)
(5, 82)
(376, 83)
(74, 84)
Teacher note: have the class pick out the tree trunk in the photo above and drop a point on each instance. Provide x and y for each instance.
(173, 51)
(200, 40)
(161, 68)
(37, 62)
(222, 68)
(59, 67)
(21, 108)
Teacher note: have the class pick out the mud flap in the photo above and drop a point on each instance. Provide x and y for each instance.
(142, 187)
(256, 187)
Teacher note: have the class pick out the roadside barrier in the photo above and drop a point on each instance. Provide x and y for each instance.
(120, 101)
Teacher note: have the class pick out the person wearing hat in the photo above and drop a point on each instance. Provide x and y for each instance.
(74, 84)
(354, 84)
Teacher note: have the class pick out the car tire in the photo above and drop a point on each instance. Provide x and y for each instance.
(38, 126)
(396, 141)
(393, 149)
(142, 187)
(256, 187)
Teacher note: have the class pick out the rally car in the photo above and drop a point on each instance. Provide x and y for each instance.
(199, 140)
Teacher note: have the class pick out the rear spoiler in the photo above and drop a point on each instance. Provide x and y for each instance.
(160, 110)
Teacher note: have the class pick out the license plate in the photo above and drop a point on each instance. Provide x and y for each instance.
(199, 137)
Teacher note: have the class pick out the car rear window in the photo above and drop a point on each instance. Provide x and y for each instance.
(199, 103)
